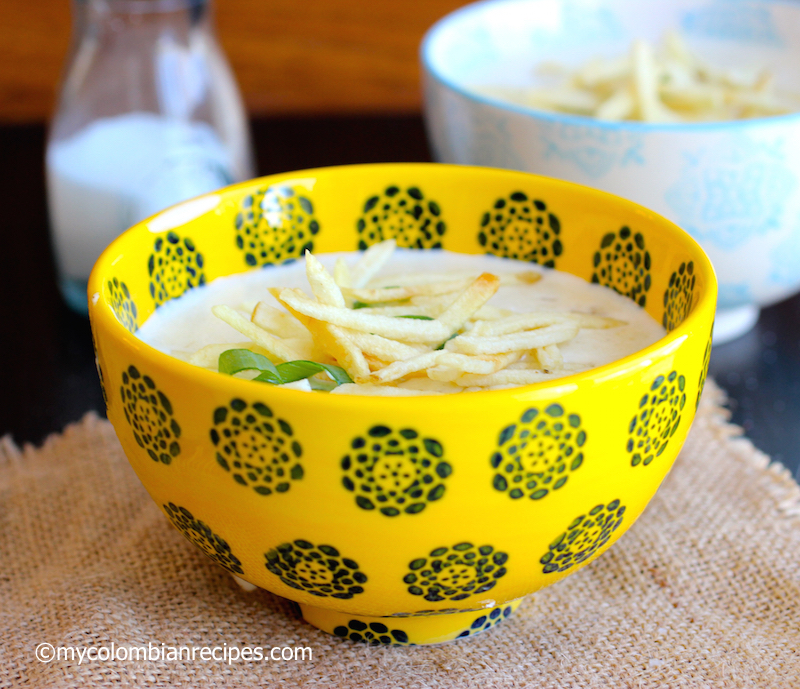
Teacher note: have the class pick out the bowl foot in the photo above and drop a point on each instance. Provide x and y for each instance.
(407, 631)
(735, 322)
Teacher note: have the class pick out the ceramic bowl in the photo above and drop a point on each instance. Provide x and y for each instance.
(732, 185)
(288, 489)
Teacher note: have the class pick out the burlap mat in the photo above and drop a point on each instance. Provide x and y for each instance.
(704, 590)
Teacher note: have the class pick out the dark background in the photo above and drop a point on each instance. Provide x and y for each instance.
(47, 373)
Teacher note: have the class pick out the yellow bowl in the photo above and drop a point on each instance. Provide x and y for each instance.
(289, 489)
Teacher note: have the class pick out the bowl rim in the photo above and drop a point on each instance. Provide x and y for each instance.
(432, 34)
(642, 358)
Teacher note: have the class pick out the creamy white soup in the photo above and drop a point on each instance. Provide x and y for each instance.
(607, 325)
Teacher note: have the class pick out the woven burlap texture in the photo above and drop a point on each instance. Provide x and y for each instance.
(703, 591)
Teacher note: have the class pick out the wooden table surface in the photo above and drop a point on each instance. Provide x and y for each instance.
(289, 57)
(48, 379)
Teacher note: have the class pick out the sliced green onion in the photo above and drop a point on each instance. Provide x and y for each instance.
(298, 370)
(441, 346)
(269, 377)
(419, 318)
(378, 304)
(322, 385)
(236, 360)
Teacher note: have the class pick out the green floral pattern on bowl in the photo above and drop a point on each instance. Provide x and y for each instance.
(203, 537)
(174, 267)
(657, 418)
(456, 573)
(404, 214)
(372, 633)
(521, 228)
(258, 449)
(678, 296)
(149, 413)
(537, 454)
(585, 535)
(318, 570)
(623, 264)
(275, 225)
(395, 472)
(122, 304)
(486, 621)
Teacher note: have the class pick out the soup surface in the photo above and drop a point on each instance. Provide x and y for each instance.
(184, 326)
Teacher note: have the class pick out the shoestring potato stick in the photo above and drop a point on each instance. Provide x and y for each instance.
(664, 84)
(360, 332)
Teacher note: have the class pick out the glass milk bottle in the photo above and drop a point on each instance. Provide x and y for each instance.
(148, 115)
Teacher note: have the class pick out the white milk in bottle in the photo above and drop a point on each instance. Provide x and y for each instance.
(118, 171)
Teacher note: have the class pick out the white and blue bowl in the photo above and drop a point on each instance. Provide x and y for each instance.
(735, 185)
